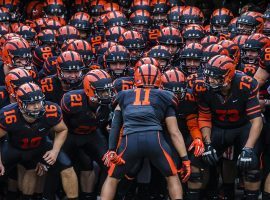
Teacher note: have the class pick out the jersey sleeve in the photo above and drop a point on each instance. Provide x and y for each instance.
(264, 61)
(205, 116)
(192, 116)
(193, 126)
(71, 102)
(53, 113)
(4, 97)
(170, 112)
(9, 117)
(118, 99)
(3, 124)
(253, 108)
(171, 102)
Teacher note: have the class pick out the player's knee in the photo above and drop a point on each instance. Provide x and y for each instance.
(63, 161)
(252, 176)
(68, 173)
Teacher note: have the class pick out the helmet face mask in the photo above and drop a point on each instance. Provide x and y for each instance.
(117, 68)
(175, 81)
(34, 109)
(178, 88)
(245, 29)
(159, 19)
(191, 65)
(219, 72)
(250, 56)
(31, 100)
(72, 78)
(105, 94)
(70, 68)
(18, 61)
(220, 29)
(212, 81)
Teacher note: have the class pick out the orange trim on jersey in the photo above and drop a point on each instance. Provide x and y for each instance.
(252, 97)
(63, 105)
(168, 158)
(256, 88)
(256, 111)
(112, 168)
(120, 137)
(253, 108)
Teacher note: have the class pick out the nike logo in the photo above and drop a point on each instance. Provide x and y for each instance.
(235, 100)
(41, 129)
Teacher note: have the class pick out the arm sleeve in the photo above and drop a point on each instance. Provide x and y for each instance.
(205, 116)
(253, 108)
(170, 112)
(117, 123)
(193, 126)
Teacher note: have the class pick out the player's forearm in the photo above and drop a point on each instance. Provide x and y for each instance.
(255, 131)
(178, 142)
(59, 140)
(206, 134)
(117, 123)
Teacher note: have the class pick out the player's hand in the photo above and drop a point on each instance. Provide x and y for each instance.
(210, 155)
(2, 169)
(50, 156)
(41, 169)
(247, 159)
(198, 146)
(111, 157)
(185, 171)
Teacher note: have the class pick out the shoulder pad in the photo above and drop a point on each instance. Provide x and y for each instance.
(73, 101)
(53, 113)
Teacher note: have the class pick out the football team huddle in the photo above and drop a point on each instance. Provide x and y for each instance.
(134, 100)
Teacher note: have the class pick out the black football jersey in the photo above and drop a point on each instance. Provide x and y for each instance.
(24, 135)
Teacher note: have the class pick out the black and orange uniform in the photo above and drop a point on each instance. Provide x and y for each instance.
(52, 88)
(265, 96)
(187, 116)
(144, 110)
(32, 71)
(4, 97)
(123, 83)
(230, 117)
(27, 142)
(248, 69)
(264, 61)
(96, 40)
(83, 121)
(152, 36)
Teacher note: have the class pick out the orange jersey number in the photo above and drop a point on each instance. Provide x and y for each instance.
(10, 117)
(76, 100)
(145, 101)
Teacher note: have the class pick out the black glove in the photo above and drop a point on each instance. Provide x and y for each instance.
(210, 155)
(247, 159)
